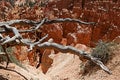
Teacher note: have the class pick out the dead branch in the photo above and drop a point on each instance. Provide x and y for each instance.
(71, 49)
(38, 24)
(68, 20)
(14, 38)
(19, 40)
(32, 44)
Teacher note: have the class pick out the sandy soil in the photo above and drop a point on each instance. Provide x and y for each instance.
(65, 66)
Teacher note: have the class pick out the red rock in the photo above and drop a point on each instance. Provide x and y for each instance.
(83, 47)
(69, 27)
(81, 36)
(46, 61)
(112, 33)
(64, 41)
(54, 31)
(77, 11)
(60, 4)
(117, 40)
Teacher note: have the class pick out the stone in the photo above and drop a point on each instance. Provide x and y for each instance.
(54, 31)
(46, 61)
(81, 36)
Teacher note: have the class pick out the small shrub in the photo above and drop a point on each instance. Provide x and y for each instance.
(102, 51)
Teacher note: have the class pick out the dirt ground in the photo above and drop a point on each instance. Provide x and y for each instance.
(65, 66)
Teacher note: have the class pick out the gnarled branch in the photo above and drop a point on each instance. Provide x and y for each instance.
(71, 49)
(38, 24)
(40, 44)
